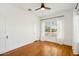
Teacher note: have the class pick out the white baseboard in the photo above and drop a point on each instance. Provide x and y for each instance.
(7, 50)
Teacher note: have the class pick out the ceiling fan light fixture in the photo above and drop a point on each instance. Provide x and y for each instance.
(42, 8)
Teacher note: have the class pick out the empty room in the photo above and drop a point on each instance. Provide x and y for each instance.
(39, 29)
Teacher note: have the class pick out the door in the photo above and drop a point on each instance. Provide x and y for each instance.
(2, 34)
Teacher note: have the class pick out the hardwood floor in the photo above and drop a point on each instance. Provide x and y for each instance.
(41, 48)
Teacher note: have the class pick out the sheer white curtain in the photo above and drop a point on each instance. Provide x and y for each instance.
(75, 44)
(60, 30)
(76, 26)
(42, 30)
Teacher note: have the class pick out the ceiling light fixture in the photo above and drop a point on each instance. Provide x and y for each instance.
(43, 7)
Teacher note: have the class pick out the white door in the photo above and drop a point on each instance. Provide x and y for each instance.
(2, 34)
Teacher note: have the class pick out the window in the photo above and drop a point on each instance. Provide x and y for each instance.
(53, 29)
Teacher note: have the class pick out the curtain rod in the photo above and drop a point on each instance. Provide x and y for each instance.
(53, 17)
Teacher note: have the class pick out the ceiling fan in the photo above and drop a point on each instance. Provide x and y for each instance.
(43, 7)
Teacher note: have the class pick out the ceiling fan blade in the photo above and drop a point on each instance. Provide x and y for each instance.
(37, 9)
(47, 8)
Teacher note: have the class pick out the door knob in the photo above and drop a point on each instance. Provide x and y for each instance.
(7, 36)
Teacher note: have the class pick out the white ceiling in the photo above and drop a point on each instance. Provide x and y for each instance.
(55, 7)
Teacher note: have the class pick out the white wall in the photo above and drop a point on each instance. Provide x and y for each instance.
(68, 25)
(21, 27)
(68, 28)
